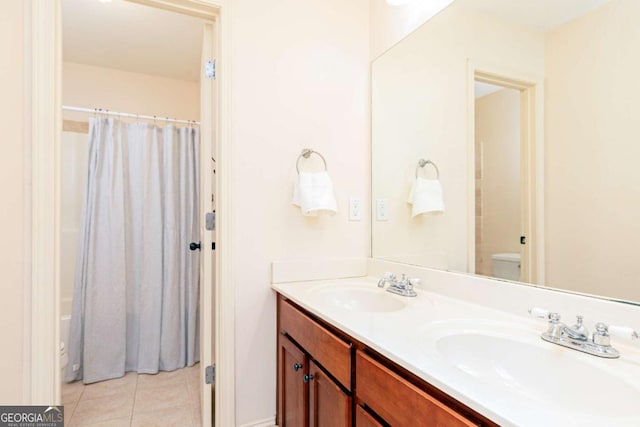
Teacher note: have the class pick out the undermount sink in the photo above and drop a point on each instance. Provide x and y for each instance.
(359, 298)
(543, 373)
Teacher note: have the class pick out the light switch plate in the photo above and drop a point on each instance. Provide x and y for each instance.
(382, 209)
(355, 209)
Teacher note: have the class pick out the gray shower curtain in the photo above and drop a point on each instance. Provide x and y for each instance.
(135, 302)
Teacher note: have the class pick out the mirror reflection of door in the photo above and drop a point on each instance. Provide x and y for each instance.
(498, 201)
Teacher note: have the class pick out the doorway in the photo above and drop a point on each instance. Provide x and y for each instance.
(148, 77)
(43, 29)
(505, 170)
(497, 162)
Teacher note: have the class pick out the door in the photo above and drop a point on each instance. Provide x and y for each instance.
(292, 387)
(329, 406)
(207, 258)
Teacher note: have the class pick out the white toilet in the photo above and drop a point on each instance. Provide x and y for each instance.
(506, 266)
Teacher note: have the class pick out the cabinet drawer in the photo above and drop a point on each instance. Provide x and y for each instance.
(323, 346)
(399, 402)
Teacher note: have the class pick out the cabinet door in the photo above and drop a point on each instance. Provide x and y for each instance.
(329, 406)
(292, 389)
(363, 419)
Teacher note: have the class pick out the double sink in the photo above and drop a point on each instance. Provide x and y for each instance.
(504, 357)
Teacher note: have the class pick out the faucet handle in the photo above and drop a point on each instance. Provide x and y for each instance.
(623, 331)
(554, 317)
(410, 283)
(415, 281)
(601, 335)
(539, 312)
(389, 275)
(543, 313)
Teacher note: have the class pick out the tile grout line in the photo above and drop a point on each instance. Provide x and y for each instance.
(187, 381)
(133, 404)
(77, 402)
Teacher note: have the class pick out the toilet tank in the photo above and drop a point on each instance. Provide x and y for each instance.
(506, 266)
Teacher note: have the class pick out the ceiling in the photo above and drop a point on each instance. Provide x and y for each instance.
(540, 15)
(132, 37)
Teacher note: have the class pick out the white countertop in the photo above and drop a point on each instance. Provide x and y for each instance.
(521, 381)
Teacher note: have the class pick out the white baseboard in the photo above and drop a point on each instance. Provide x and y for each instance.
(267, 422)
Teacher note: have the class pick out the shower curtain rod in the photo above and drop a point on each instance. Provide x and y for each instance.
(135, 116)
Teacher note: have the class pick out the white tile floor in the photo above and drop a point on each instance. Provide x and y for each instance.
(167, 399)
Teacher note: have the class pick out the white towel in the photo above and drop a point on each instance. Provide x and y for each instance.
(313, 192)
(426, 197)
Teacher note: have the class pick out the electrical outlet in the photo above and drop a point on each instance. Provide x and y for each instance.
(355, 209)
(382, 209)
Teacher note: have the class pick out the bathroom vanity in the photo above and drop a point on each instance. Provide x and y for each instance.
(463, 352)
(326, 377)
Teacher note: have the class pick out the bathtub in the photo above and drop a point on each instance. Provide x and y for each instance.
(65, 323)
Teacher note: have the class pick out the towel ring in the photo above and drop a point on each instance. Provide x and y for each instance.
(306, 153)
(422, 163)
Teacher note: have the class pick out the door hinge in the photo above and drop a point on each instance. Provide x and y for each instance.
(210, 221)
(210, 69)
(523, 240)
(210, 374)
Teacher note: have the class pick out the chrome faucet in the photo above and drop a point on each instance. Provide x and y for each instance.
(387, 278)
(403, 287)
(576, 337)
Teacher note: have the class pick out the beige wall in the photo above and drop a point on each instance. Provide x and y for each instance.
(123, 91)
(390, 24)
(592, 152)
(300, 79)
(497, 133)
(13, 215)
(115, 90)
(420, 102)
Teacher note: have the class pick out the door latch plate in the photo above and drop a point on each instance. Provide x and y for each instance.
(210, 221)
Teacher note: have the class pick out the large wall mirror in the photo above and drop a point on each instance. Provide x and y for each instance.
(505, 143)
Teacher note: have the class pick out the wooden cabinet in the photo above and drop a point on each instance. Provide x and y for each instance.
(398, 401)
(325, 347)
(364, 419)
(314, 372)
(293, 391)
(329, 406)
(327, 379)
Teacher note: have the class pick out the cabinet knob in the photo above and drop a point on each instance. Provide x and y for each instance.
(307, 378)
(297, 366)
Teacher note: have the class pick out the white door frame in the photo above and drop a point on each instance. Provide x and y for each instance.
(43, 71)
(532, 165)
